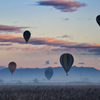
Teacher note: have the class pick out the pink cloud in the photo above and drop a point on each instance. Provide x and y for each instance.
(63, 5)
(29, 48)
(10, 38)
(6, 28)
(65, 36)
(48, 43)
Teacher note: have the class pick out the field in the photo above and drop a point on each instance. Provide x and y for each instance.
(50, 92)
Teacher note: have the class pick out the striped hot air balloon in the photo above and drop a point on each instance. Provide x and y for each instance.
(48, 73)
(98, 19)
(12, 67)
(66, 61)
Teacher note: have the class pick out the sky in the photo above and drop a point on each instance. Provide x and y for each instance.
(56, 27)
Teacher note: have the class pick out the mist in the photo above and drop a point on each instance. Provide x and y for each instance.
(35, 76)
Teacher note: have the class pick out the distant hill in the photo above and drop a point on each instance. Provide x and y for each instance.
(88, 74)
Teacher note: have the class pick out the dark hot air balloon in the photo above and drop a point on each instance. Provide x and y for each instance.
(66, 61)
(26, 36)
(12, 67)
(48, 73)
(98, 19)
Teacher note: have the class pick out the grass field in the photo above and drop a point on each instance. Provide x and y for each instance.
(50, 92)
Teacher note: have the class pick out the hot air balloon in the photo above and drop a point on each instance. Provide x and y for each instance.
(48, 73)
(12, 67)
(66, 61)
(98, 19)
(26, 36)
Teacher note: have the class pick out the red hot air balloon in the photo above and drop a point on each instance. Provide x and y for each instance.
(12, 67)
(66, 61)
(26, 36)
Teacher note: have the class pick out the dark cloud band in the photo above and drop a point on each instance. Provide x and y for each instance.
(6, 28)
(52, 43)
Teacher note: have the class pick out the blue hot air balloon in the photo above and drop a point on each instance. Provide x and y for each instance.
(48, 73)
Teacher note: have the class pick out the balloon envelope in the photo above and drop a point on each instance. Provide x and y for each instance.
(98, 19)
(26, 35)
(48, 73)
(12, 66)
(66, 61)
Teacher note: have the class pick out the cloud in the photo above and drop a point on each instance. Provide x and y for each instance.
(48, 43)
(55, 62)
(63, 5)
(65, 36)
(5, 44)
(35, 41)
(11, 38)
(83, 46)
(66, 19)
(81, 63)
(6, 28)
(47, 62)
(29, 48)
(96, 51)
